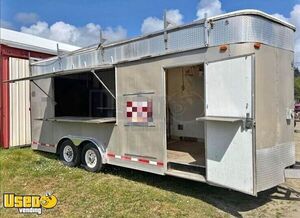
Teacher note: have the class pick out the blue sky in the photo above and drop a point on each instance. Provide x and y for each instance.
(129, 14)
(79, 22)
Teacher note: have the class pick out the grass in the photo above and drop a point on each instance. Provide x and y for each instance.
(120, 192)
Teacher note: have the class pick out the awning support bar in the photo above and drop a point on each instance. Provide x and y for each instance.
(93, 72)
(43, 91)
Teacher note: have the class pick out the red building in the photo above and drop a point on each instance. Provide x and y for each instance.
(15, 50)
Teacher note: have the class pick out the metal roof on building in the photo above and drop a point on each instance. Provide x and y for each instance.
(29, 42)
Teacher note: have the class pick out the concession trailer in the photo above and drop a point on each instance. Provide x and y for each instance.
(15, 50)
(211, 101)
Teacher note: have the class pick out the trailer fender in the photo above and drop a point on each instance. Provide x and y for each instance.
(80, 141)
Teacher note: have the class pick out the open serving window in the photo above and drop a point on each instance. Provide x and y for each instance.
(80, 96)
(85, 97)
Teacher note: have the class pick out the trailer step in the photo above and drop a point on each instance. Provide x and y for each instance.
(293, 172)
(186, 175)
(191, 168)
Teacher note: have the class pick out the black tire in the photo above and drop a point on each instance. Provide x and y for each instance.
(94, 163)
(69, 154)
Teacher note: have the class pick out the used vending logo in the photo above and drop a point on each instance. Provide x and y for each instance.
(29, 203)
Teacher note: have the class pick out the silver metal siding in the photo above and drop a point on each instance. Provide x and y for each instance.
(251, 29)
(236, 29)
(193, 38)
(274, 133)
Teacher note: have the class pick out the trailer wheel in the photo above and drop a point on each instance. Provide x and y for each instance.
(91, 158)
(69, 154)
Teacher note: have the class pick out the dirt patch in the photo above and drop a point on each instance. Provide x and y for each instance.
(294, 184)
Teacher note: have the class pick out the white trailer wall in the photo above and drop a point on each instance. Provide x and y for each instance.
(20, 128)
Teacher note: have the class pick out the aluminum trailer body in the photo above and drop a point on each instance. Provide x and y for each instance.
(224, 83)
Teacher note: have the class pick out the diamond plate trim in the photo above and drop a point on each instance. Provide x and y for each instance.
(270, 164)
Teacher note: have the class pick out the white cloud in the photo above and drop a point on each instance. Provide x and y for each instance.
(175, 17)
(210, 8)
(81, 36)
(295, 20)
(6, 24)
(281, 17)
(39, 29)
(26, 18)
(115, 34)
(64, 32)
(152, 24)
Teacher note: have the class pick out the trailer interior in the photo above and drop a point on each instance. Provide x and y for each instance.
(85, 96)
(185, 103)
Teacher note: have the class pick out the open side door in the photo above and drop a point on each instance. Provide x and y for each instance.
(229, 124)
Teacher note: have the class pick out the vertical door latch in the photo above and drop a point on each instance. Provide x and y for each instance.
(289, 114)
(248, 122)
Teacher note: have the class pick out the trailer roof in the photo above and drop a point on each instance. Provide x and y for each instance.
(222, 29)
(214, 18)
(254, 12)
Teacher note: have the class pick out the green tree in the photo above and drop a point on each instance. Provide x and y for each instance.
(297, 88)
(296, 72)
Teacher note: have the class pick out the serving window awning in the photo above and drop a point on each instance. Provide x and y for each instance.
(60, 73)
(71, 119)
